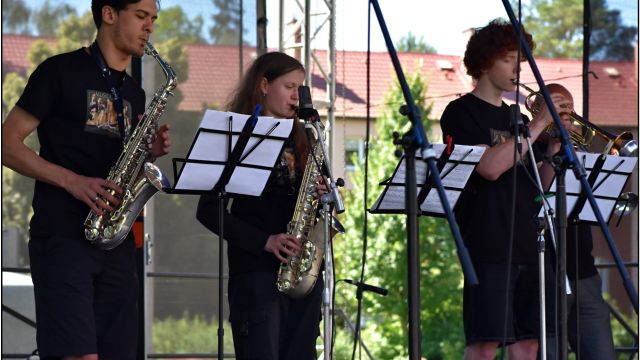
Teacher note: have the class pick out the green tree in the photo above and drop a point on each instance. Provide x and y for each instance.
(48, 17)
(173, 23)
(559, 33)
(15, 17)
(385, 329)
(410, 43)
(226, 28)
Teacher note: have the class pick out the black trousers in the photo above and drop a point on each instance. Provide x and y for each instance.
(269, 325)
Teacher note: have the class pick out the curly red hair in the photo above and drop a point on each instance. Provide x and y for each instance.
(488, 43)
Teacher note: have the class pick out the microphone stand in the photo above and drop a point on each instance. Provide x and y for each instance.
(413, 140)
(568, 159)
(330, 198)
(521, 129)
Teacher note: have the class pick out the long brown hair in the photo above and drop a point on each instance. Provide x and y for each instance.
(247, 95)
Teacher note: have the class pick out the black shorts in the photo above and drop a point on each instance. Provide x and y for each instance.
(484, 305)
(86, 298)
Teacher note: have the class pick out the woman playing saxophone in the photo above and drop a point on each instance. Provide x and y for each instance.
(266, 323)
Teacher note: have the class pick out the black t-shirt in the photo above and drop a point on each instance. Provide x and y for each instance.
(78, 130)
(483, 211)
(251, 220)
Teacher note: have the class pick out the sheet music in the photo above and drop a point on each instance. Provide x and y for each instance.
(454, 175)
(470, 154)
(214, 147)
(432, 202)
(606, 189)
(393, 199)
(606, 207)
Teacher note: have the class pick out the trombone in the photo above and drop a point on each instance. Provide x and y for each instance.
(622, 144)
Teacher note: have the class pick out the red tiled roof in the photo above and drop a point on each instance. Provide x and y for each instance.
(15, 49)
(214, 72)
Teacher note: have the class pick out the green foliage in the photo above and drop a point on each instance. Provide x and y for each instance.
(174, 24)
(48, 17)
(385, 319)
(17, 193)
(39, 52)
(557, 28)
(12, 86)
(225, 29)
(621, 337)
(15, 17)
(75, 32)
(410, 43)
(188, 335)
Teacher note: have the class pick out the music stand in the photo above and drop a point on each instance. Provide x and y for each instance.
(607, 175)
(455, 168)
(230, 154)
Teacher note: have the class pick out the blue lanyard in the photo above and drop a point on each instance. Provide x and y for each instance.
(114, 89)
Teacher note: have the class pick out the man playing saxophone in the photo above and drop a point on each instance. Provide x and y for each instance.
(86, 298)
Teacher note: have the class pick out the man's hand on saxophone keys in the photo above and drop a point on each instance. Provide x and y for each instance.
(95, 192)
(282, 245)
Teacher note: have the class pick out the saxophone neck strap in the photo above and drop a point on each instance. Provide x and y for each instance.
(115, 87)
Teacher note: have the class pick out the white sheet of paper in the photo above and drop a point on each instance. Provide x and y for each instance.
(196, 176)
(457, 178)
(587, 213)
(432, 201)
(214, 147)
(606, 190)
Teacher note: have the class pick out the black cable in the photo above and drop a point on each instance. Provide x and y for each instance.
(356, 333)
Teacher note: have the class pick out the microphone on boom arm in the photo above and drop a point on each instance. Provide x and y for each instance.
(307, 112)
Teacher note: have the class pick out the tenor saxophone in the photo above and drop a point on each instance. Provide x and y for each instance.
(298, 276)
(133, 172)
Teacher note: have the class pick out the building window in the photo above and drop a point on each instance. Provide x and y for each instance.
(353, 151)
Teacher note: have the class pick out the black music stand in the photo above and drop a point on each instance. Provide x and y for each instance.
(607, 176)
(230, 154)
(455, 166)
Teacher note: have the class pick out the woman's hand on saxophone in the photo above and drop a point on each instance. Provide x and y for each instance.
(99, 194)
(280, 244)
(321, 186)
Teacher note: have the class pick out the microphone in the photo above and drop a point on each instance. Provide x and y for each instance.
(517, 124)
(366, 287)
(305, 105)
(307, 112)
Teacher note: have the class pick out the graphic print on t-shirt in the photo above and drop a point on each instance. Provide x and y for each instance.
(101, 117)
